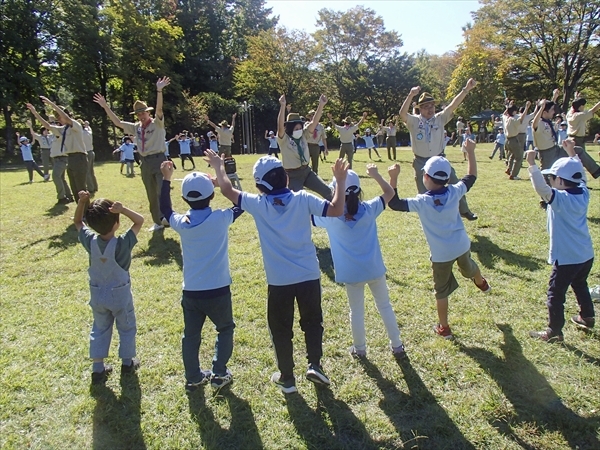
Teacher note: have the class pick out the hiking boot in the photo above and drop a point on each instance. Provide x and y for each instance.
(547, 336)
(101, 377)
(444, 332)
(219, 381)
(484, 287)
(316, 375)
(355, 353)
(587, 323)
(399, 352)
(469, 216)
(134, 366)
(191, 386)
(286, 384)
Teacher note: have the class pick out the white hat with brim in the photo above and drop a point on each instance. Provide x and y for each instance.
(23, 139)
(197, 186)
(567, 168)
(438, 167)
(263, 166)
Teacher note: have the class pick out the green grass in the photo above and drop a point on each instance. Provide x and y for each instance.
(494, 388)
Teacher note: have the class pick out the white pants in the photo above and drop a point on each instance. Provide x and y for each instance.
(356, 300)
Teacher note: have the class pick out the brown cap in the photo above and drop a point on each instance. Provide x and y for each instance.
(425, 97)
(140, 106)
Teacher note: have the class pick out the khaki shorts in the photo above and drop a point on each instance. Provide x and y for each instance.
(444, 282)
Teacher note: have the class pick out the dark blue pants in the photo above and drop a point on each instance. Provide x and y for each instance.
(280, 316)
(574, 275)
(195, 311)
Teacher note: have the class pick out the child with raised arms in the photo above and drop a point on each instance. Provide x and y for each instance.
(282, 218)
(357, 259)
(444, 230)
(111, 299)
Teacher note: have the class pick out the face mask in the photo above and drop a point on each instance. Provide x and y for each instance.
(297, 134)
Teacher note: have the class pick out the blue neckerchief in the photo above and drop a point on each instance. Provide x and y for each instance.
(349, 220)
(197, 216)
(64, 135)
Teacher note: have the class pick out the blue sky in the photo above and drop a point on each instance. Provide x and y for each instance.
(444, 19)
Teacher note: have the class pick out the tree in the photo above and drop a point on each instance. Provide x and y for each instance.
(435, 72)
(547, 43)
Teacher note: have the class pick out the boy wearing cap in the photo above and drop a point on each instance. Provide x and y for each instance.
(185, 150)
(313, 138)
(150, 137)
(111, 299)
(283, 220)
(292, 139)
(273, 147)
(438, 210)
(577, 118)
(427, 134)
(27, 155)
(346, 132)
(499, 144)
(225, 133)
(206, 277)
(571, 251)
(45, 140)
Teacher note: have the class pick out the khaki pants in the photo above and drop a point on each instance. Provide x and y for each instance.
(314, 151)
(77, 172)
(152, 179)
(516, 155)
(226, 149)
(419, 164)
(444, 282)
(59, 167)
(391, 145)
(347, 150)
(46, 160)
(92, 183)
(305, 177)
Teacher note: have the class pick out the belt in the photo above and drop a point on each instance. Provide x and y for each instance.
(297, 168)
(573, 135)
(77, 153)
(59, 156)
(153, 155)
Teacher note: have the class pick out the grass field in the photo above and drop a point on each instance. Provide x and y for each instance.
(493, 388)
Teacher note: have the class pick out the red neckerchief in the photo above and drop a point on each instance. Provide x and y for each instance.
(144, 133)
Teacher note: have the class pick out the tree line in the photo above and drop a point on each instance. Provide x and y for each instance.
(220, 53)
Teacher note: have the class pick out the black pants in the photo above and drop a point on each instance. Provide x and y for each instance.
(184, 157)
(280, 316)
(31, 166)
(574, 275)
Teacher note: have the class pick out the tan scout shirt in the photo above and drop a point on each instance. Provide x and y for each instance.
(523, 126)
(390, 131)
(290, 157)
(511, 125)
(346, 133)
(225, 135)
(88, 139)
(73, 138)
(417, 126)
(55, 148)
(576, 122)
(543, 138)
(315, 136)
(44, 141)
(149, 140)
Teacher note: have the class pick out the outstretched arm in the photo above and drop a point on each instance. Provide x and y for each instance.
(215, 126)
(537, 179)
(388, 191)
(404, 109)
(336, 205)
(223, 181)
(318, 113)
(43, 121)
(160, 85)
(30, 125)
(233, 121)
(471, 159)
(362, 119)
(84, 199)
(60, 112)
(281, 118)
(538, 114)
(527, 105)
(456, 101)
(111, 115)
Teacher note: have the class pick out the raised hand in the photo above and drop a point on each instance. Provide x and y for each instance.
(323, 99)
(372, 170)
(470, 84)
(100, 100)
(530, 157)
(28, 123)
(30, 107)
(212, 158)
(415, 90)
(84, 196)
(340, 169)
(162, 83)
(166, 168)
(282, 100)
(394, 170)
(116, 208)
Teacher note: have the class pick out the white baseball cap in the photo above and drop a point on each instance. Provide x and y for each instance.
(566, 168)
(262, 167)
(271, 133)
(197, 186)
(352, 182)
(438, 167)
(23, 139)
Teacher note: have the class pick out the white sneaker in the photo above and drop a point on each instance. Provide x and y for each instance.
(46, 177)
(164, 222)
(155, 227)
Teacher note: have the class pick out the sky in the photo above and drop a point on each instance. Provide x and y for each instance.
(442, 19)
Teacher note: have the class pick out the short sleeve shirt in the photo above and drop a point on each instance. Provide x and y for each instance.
(523, 125)
(511, 125)
(284, 231)
(316, 135)
(73, 138)
(576, 122)
(543, 138)
(44, 141)
(291, 156)
(127, 150)
(125, 244)
(88, 139)
(184, 146)
(346, 133)
(422, 145)
(151, 139)
(26, 152)
(225, 135)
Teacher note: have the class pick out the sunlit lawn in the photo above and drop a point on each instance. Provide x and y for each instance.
(494, 387)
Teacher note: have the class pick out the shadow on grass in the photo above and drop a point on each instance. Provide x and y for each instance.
(532, 397)
(488, 252)
(309, 424)
(326, 262)
(588, 358)
(349, 431)
(162, 251)
(417, 416)
(242, 432)
(56, 210)
(116, 421)
(60, 242)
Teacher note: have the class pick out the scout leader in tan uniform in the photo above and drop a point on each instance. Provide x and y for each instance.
(291, 137)
(70, 135)
(318, 134)
(224, 134)
(427, 135)
(150, 138)
(346, 132)
(512, 124)
(545, 138)
(577, 118)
